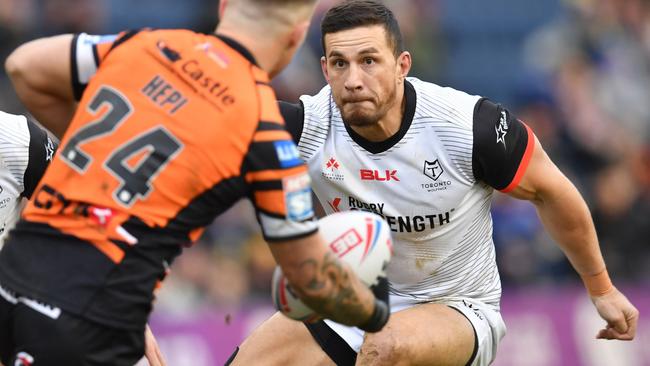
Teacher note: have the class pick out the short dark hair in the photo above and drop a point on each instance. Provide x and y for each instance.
(359, 13)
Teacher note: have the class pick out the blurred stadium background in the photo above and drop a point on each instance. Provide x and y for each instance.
(578, 71)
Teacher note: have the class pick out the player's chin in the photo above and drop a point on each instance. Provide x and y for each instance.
(360, 117)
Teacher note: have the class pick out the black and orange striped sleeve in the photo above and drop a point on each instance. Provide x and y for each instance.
(279, 180)
(503, 146)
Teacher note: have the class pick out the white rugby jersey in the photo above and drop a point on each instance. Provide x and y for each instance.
(432, 182)
(25, 151)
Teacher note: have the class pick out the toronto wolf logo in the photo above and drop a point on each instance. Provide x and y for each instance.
(433, 169)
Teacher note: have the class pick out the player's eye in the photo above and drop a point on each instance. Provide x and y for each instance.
(368, 61)
(339, 63)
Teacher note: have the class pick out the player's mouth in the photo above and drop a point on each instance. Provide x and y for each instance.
(356, 101)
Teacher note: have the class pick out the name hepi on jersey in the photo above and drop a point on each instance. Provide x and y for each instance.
(173, 127)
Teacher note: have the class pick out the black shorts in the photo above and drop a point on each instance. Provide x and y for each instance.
(331, 343)
(35, 334)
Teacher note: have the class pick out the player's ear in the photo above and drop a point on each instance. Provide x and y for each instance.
(222, 7)
(404, 63)
(298, 34)
(323, 66)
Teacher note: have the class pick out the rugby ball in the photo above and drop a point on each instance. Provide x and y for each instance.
(360, 239)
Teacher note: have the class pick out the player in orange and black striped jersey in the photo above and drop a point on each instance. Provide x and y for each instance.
(172, 127)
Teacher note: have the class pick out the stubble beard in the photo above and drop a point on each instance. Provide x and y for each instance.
(365, 118)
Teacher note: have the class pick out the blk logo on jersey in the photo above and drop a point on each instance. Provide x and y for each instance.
(331, 170)
(377, 175)
(502, 129)
(433, 169)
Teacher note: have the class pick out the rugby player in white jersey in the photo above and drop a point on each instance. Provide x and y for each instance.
(25, 152)
(427, 159)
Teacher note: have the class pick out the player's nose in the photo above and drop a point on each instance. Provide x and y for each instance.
(353, 80)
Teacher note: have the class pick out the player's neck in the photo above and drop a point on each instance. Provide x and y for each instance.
(263, 49)
(389, 124)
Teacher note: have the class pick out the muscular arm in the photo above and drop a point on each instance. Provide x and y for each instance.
(324, 283)
(40, 71)
(508, 157)
(563, 212)
(565, 215)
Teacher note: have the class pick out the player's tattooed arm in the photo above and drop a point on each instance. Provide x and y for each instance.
(330, 288)
(325, 284)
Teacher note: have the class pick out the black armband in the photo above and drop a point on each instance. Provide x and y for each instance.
(378, 319)
(502, 147)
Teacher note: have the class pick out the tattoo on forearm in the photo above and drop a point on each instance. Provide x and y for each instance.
(331, 292)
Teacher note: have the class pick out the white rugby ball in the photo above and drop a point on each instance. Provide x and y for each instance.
(360, 239)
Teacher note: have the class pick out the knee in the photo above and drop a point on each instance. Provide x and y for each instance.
(382, 349)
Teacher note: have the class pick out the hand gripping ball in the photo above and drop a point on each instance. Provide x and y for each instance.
(360, 239)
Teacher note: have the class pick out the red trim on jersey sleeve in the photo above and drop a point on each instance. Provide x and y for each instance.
(525, 160)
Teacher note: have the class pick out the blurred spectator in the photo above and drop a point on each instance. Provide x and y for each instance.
(597, 58)
(72, 16)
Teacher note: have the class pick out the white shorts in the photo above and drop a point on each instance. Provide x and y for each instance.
(486, 320)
